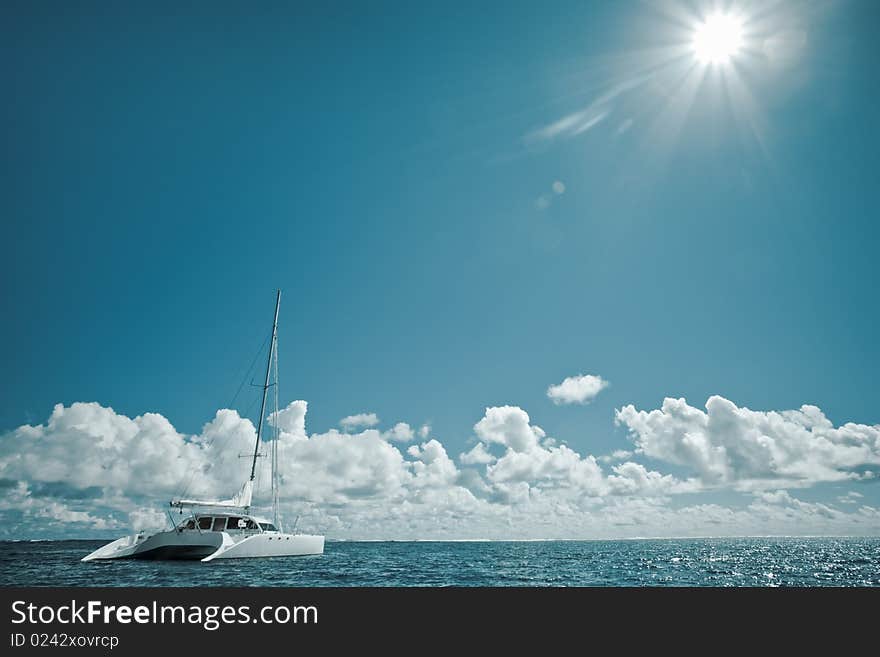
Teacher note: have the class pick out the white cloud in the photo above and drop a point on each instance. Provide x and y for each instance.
(147, 519)
(556, 467)
(479, 455)
(86, 445)
(19, 502)
(616, 455)
(400, 433)
(64, 514)
(292, 419)
(774, 496)
(852, 497)
(432, 466)
(534, 465)
(89, 470)
(580, 389)
(634, 479)
(729, 445)
(334, 467)
(508, 426)
(352, 422)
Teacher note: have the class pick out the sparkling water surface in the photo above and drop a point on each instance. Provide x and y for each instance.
(663, 562)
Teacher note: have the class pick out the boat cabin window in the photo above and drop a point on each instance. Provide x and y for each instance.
(204, 522)
(251, 524)
(190, 524)
(268, 526)
(219, 524)
(234, 522)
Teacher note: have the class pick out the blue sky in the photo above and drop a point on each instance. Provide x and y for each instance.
(445, 239)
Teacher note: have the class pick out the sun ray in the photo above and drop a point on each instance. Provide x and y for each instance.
(697, 63)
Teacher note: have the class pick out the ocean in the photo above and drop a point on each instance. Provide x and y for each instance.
(662, 562)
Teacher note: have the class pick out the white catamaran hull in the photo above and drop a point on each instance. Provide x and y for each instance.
(207, 546)
(270, 545)
(223, 529)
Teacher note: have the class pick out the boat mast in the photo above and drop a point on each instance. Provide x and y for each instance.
(275, 435)
(266, 385)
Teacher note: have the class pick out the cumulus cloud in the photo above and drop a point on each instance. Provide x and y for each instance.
(334, 467)
(124, 470)
(634, 479)
(479, 455)
(352, 422)
(534, 466)
(616, 455)
(851, 497)
(556, 467)
(89, 471)
(19, 503)
(729, 445)
(87, 445)
(432, 465)
(509, 426)
(147, 519)
(400, 433)
(292, 419)
(580, 389)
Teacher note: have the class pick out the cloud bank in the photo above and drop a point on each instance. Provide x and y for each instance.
(89, 471)
(728, 445)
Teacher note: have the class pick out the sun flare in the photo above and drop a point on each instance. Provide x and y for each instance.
(718, 39)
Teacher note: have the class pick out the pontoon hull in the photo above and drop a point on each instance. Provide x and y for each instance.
(207, 546)
(270, 545)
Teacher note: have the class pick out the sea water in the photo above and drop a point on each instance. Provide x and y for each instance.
(663, 562)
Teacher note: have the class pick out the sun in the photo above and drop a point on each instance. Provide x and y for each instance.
(718, 39)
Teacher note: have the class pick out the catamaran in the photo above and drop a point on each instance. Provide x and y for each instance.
(223, 529)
